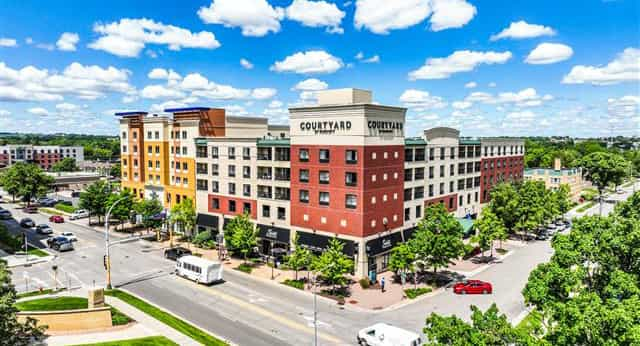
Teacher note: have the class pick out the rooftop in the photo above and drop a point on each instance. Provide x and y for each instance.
(551, 171)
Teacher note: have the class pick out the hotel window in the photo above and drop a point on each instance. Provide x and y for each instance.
(202, 168)
(184, 134)
(441, 171)
(407, 214)
(246, 190)
(351, 156)
(150, 149)
(246, 171)
(246, 208)
(351, 201)
(431, 153)
(232, 171)
(124, 162)
(323, 198)
(157, 149)
(452, 155)
(418, 173)
(150, 164)
(231, 187)
(442, 153)
(202, 185)
(282, 213)
(135, 163)
(135, 149)
(431, 169)
(351, 179)
(124, 135)
(156, 135)
(452, 170)
(177, 181)
(324, 155)
(430, 190)
(215, 186)
(148, 134)
(185, 166)
(266, 211)
(461, 168)
(172, 150)
(418, 211)
(185, 181)
(184, 150)
(323, 177)
(303, 155)
(246, 153)
(408, 174)
(408, 155)
(476, 196)
(215, 203)
(418, 192)
(214, 169)
(442, 192)
(304, 196)
(451, 187)
(201, 151)
(407, 194)
(157, 164)
(232, 206)
(460, 184)
(304, 176)
(373, 156)
(461, 200)
(231, 152)
(214, 152)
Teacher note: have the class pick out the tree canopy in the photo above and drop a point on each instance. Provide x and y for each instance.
(68, 164)
(184, 214)
(333, 264)
(240, 235)
(26, 180)
(94, 198)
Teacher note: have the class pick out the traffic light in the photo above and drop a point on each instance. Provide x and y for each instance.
(104, 260)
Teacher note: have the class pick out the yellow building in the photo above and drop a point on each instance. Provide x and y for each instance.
(158, 151)
(556, 176)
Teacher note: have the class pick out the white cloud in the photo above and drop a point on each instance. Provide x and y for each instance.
(38, 111)
(157, 91)
(45, 46)
(421, 100)
(86, 82)
(459, 61)
(449, 14)
(255, 17)
(246, 64)
(549, 53)
(315, 61)
(479, 96)
(160, 73)
(624, 107)
(316, 14)
(275, 104)
(7, 42)
(528, 97)
(380, 16)
(129, 99)
(311, 84)
(624, 68)
(372, 60)
(4, 112)
(522, 29)
(235, 110)
(492, 85)
(263, 93)
(128, 37)
(521, 116)
(67, 107)
(461, 104)
(471, 85)
(68, 41)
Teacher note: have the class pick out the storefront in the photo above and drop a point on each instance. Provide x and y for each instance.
(273, 239)
(379, 249)
(207, 222)
(317, 243)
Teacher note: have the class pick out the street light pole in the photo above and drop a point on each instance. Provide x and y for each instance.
(106, 244)
(315, 305)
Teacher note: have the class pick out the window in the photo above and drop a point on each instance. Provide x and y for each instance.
(246, 190)
(282, 213)
(232, 171)
(214, 169)
(431, 153)
(407, 194)
(214, 152)
(451, 187)
(303, 155)
(185, 166)
(351, 201)
(419, 155)
(418, 211)
(202, 168)
(461, 168)
(304, 176)
(431, 169)
(215, 203)
(442, 153)
(441, 171)
(304, 196)
(202, 185)
(231, 188)
(150, 149)
(418, 173)
(246, 153)
(323, 198)
(408, 174)
(184, 150)
(266, 211)
(351, 156)
(407, 214)
(148, 134)
(150, 164)
(323, 177)
(124, 135)
(461, 200)
(232, 206)
(460, 184)
(201, 151)
(231, 152)
(324, 155)
(350, 178)
(408, 155)
(215, 186)
(124, 148)
(246, 208)
(418, 192)
(430, 190)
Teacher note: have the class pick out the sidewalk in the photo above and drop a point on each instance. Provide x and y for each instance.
(21, 260)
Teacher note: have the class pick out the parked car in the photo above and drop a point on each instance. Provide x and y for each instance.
(60, 243)
(56, 219)
(542, 236)
(43, 228)
(472, 287)
(47, 202)
(5, 215)
(27, 222)
(79, 214)
(382, 334)
(30, 210)
(176, 252)
(69, 235)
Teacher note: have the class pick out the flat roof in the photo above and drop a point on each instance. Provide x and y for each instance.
(414, 141)
(186, 109)
(123, 114)
(273, 142)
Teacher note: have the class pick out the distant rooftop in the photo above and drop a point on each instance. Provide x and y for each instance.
(416, 141)
(273, 142)
(551, 171)
(186, 109)
(124, 114)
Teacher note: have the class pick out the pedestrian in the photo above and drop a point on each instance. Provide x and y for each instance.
(382, 284)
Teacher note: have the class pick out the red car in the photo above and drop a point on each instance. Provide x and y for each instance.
(472, 287)
(56, 219)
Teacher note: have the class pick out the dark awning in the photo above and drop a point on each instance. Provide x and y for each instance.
(408, 233)
(207, 220)
(281, 235)
(317, 242)
(383, 244)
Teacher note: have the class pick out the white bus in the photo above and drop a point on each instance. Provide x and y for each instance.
(199, 269)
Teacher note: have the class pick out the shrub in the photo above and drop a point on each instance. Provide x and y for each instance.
(243, 267)
(204, 240)
(411, 293)
(364, 283)
(13, 243)
(470, 251)
(65, 207)
(299, 284)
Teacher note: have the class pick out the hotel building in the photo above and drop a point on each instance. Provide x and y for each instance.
(554, 177)
(44, 156)
(343, 169)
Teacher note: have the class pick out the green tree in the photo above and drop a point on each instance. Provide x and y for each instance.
(124, 202)
(504, 204)
(401, 259)
(561, 199)
(603, 169)
(490, 228)
(300, 258)
(68, 164)
(94, 198)
(530, 211)
(149, 210)
(26, 181)
(242, 235)
(13, 332)
(10, 181)
(116, 170)
(438, 238)
(333, 264)
(183, 214)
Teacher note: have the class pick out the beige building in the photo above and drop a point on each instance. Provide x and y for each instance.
(556, 176)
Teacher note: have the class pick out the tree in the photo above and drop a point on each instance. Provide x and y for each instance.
(603, 169)
(504, 203)
(94, 198)
(490, 228)
(116, 170)
(530, 211)
(26, 181)
(243, 235)
(401, 260)
(125, 202)
(333, 264)
(10, 182)
(149, 210)
(561, 199)
(438, 238)
(13, 332)
(68, 164)
(300, 258)
(184, 215)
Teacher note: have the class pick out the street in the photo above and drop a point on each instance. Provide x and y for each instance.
(250, 311)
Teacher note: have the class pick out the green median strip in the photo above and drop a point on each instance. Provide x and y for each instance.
(68, 303)
(585, 207)
(148, 341)
(166, 318)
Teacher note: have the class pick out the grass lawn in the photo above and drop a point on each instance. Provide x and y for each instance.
(34, 293)
(412, 293)
(38, 252)
(68, 303)
(65, 208)
(166, 318)
(49, 211)
(149, 341)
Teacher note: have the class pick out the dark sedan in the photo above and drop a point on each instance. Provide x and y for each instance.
(176, 252)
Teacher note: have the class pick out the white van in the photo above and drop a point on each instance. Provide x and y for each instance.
(382, 334)
(199, 269)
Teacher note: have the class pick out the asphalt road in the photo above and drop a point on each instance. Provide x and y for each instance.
(250, 311)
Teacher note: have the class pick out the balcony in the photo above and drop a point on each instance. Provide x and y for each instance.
(264, 191)
(283, 174)
(282, 194)
(264, 154)
(265, 173)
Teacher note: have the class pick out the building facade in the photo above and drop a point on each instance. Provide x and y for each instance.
(556, 176)
(45, 156)
(344, 169)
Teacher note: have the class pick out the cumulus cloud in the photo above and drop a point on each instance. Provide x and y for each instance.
(624, 107)
(160, 73)
(263, 93)
(246, 64)
(68, 41)
(7, 42)
(4, 112)
(38, 111)
(311, 84)
(255, 17)
(549, 53)
(528, 97)
(128, 37)
(158, 91)
(309, 62)
(461, 104)
(87, 82)
(316, 14)
(372, 60)
(459, 61)
(624, 68)
(420, 100)
(471, 85)
(448, 14)
(521, 116)
(522, 29)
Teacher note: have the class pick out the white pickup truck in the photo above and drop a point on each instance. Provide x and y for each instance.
(382, 334)
(79, 214)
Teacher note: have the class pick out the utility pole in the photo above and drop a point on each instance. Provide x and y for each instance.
(315, 306)
(107, 258)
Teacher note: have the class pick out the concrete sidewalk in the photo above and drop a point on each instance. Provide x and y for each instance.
(21, 260)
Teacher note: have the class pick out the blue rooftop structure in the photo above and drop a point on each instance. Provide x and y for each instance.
(186, 109)
(124, 114)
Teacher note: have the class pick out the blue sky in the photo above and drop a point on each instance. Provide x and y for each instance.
(484, 67)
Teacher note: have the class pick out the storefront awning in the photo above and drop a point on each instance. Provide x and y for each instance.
(207, 220)
(467, 225)
(383, 244)
(281, 235)
(317, 242)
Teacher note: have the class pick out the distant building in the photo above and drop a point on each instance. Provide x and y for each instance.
(556, 176)
(44, 156)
